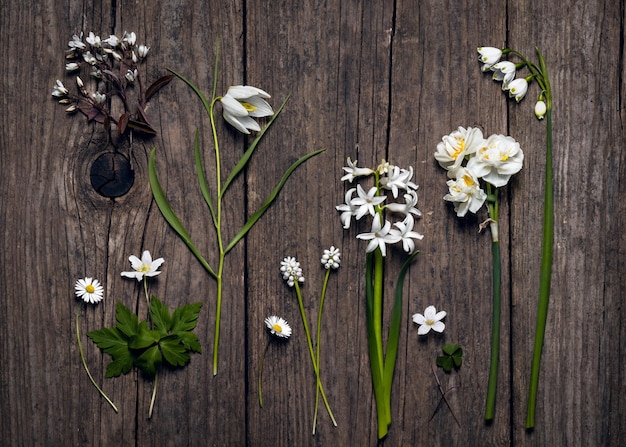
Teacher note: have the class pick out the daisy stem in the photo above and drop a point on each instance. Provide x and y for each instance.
(312, 354)
(82, 357)
(546, 272)
(261, 374)
(317, 343)
(154, 391)
(495, 321)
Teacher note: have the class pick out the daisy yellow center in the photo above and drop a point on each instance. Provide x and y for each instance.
(90, 288)
(460, 149)
(430, 322)
(144, 268)
(249, 107)
(278, 328)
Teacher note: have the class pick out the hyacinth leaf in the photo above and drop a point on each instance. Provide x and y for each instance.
(270, 199)
(204, 188)
(169, 215)
(246, 156)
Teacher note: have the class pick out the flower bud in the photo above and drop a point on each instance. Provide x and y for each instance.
(540, 109)
(79, 82)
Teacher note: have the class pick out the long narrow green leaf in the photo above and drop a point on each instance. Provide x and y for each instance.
(246, 156)
(169, 215)
(270, 199)
(204, 188)
(205, 102)
(394, 328)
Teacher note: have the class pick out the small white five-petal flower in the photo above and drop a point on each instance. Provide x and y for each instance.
(430, 320)
(143, 267)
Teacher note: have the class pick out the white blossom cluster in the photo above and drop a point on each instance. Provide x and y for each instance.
(389, 180)
(468, 157)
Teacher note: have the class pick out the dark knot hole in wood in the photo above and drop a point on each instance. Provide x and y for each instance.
(112, 175)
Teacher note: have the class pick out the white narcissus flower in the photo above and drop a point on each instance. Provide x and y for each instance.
(540, 109)
(143, 267)
(366, 201)
(278, 326)
(241, 103)
(517, 88)
(465, 192)
(453, 148)
(331, 258)
(379, 236)
(430, 320)
(503, 71)
(347, 209)
(352, 171)
(406, 234)
(292, 273)
(489, 56)
(498, 160)
(89, 290)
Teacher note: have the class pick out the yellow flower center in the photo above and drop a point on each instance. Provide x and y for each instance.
(249, 107)
(504, 157)
(430, 322)
(144, 268)
(459, 150)
(468, 180)
(90, 289)
(277, 328)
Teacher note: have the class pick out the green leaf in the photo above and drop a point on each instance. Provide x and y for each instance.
(259, 213)
(173, 351)
(127, 322)
(119, 366)
(246, 156)
(111, 341)
(445, 362)
(149, 361)
(204, 188)
(160, 316)
(145, 338)
(166, 210)
(185, 318)
(452, 357)
(450, 348)
(190, 341)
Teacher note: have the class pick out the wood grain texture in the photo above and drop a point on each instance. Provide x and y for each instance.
(368, 80)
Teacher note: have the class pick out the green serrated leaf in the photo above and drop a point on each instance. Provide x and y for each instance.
(185, 318)
(190, 341)
(149, 361)
(174, 352)
(110, 340)
(160, 315)
(127, 322)
(145, 338)
(121, 365)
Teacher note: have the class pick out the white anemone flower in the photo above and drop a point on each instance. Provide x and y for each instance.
(278, 326)
(430, 320)
(489, 56)
(465, 192)
(498, 160)
(453, 148)
(241, 104)
(143, 267)
(406, 234)
(352, 171)
(366, 201)
(379, 236)
(89, 290)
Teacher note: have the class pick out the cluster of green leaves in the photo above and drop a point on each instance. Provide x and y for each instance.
(452, 357)
(168, 339)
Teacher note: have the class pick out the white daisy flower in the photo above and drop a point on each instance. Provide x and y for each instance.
(278, 326)
(89, 290)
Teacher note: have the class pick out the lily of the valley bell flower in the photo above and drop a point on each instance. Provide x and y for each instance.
(540, 109)
(242, 103)
(489, 56)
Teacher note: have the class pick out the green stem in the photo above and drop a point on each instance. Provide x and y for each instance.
(317, 343)
(153, 398)
(261, 374)
(82, 357)
(312, 354)
(492, 205)
(145, 289)
(545, 276)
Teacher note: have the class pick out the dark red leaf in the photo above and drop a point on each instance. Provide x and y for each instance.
(158, 85)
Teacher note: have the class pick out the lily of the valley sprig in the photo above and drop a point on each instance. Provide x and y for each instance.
(292, 274)
(167, 337)
(380, 201)
(470, 158)
(114, 71)
(241, 105)
(90, 291)
(491, 58)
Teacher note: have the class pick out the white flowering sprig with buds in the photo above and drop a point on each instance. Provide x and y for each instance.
(491, 58)
(292, 274)
(469, 159)
(377, 203)
(114, 69)
(241, 106)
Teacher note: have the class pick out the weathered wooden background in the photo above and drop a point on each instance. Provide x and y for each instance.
(369, 80)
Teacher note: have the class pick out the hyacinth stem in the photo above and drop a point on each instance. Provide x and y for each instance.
(546, 273)
(82, 357)
(318, 380)
(492, 204)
